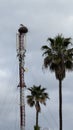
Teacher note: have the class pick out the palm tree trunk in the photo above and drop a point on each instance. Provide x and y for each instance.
(37, 118)
(60, 104)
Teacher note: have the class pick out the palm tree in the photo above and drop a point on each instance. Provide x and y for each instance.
(59, 58)
(37, 96)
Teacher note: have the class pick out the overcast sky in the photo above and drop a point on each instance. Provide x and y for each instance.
(43, 18)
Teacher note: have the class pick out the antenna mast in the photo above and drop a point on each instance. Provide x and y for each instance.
(21, 55)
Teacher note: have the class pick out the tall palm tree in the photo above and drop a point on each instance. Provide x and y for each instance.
(58, 56)
(37, 96)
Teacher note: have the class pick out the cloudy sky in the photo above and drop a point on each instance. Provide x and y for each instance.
(43, 18)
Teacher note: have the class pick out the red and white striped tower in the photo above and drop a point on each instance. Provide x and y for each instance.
(21, 54)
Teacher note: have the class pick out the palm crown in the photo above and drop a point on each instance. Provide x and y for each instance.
(37, 95)
(58, 55)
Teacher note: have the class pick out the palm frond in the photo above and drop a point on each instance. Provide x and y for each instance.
(70, 50)
(47, 52)
(43, 89)
(51, 41)
(47, 61)
(31, 104)
(66, 42)
(69, 65)
(45, 47)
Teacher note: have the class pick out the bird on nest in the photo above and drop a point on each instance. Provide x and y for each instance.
(21, 25)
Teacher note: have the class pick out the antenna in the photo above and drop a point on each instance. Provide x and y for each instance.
(20, 36)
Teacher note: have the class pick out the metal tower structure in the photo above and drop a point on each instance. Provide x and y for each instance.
(21, 55)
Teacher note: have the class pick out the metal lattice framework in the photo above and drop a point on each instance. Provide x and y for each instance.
(21, 55)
